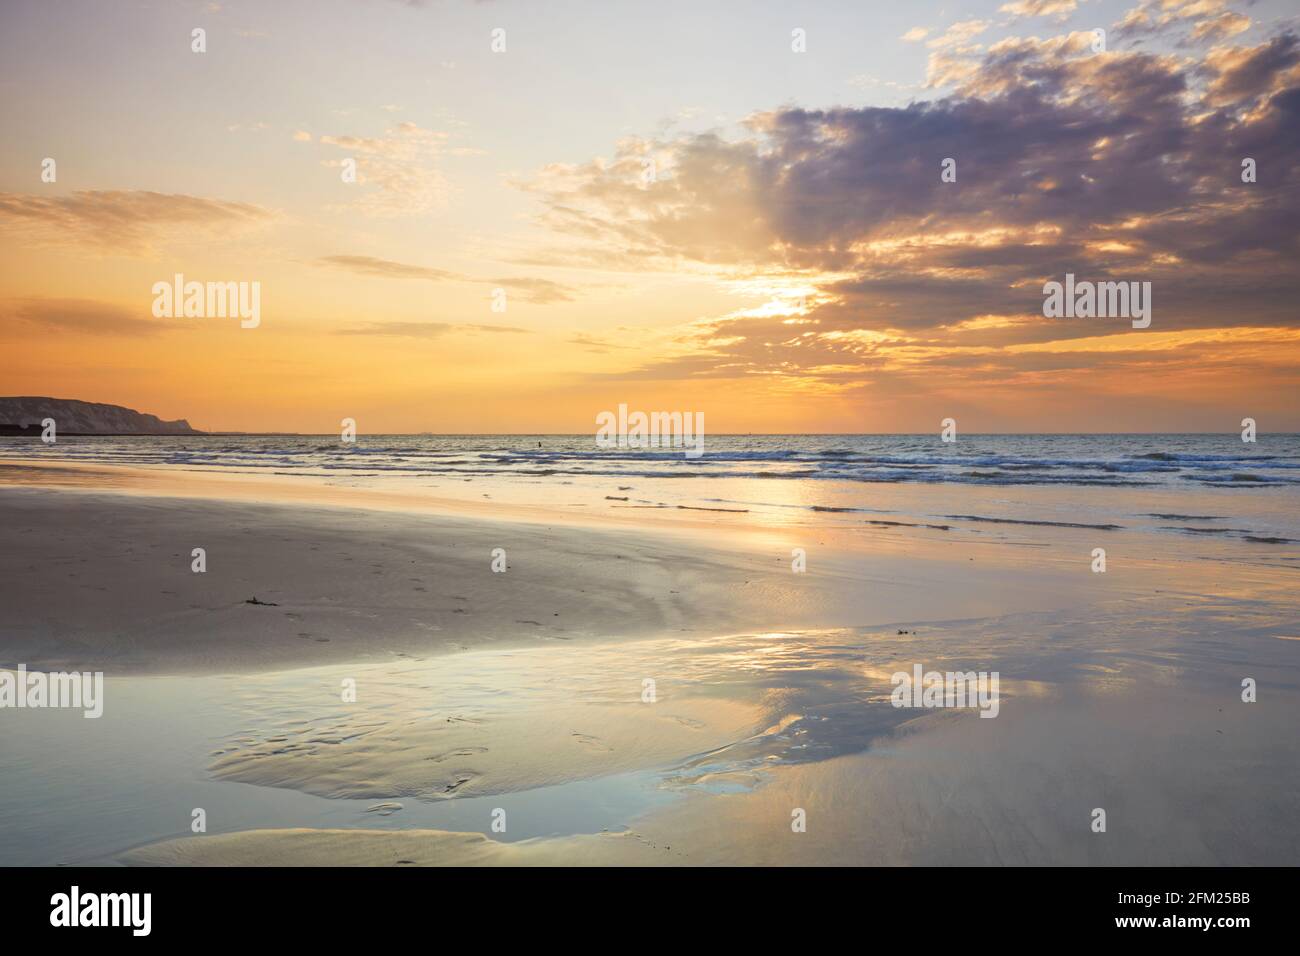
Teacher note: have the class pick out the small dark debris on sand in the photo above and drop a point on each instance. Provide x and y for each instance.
(254, 600)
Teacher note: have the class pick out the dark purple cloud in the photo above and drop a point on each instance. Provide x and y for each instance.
(1120, 165)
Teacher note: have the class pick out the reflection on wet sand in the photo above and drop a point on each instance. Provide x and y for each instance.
(639, 693)
(748, 729)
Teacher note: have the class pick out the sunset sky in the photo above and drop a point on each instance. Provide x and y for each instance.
(795, 264)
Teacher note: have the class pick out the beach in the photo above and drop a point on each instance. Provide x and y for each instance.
(871, 441)
(620, 670)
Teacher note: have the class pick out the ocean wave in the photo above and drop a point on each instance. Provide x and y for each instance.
(1046, 460)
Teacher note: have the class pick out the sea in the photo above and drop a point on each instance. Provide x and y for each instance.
(1191, 483)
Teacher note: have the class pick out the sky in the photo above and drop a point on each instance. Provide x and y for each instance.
(735, 208)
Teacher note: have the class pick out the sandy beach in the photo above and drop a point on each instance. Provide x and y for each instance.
(682, 437)
(637, 687)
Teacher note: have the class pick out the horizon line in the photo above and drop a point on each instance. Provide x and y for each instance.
(430, 434)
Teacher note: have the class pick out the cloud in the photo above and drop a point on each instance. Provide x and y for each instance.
(959, 34)
(127, 222)
(1222, 27)
(426, 330)
(1117, 166)
(1187, 22)
(1246, 73)
(915, 35)
(397, 172)
(386, 268)
(540, 291)
(83, 316)
(593, 344)
(535, 290)
(1039, 8)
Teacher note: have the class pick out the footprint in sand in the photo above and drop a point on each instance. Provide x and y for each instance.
(592, 743)
(459, 782)
(463, 752)
(686, 721)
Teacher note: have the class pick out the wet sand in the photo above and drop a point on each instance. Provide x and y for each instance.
(101, 575)
(1179, 780)
(642, 691)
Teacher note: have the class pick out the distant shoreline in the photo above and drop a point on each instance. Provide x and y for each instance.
(207, 434)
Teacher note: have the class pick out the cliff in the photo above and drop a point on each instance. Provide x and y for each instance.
(73, 417)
